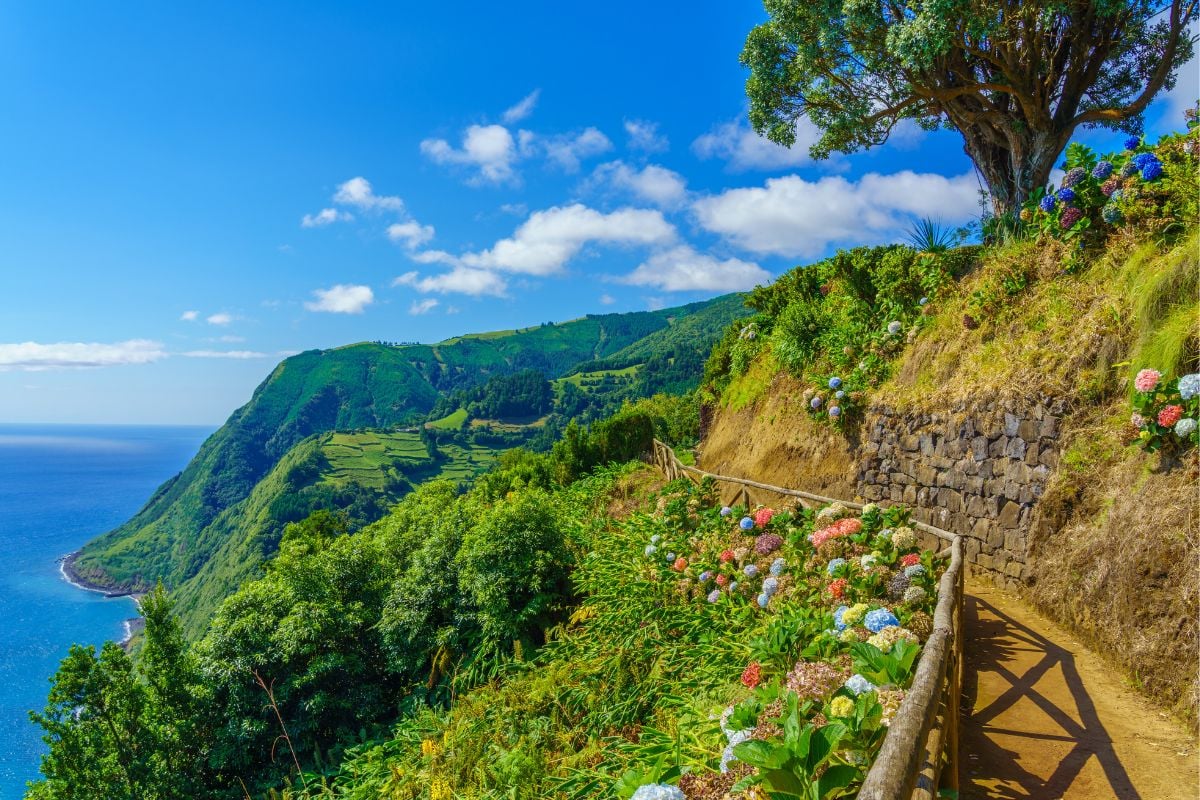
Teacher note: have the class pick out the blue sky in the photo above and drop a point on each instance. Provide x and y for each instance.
(189, 194)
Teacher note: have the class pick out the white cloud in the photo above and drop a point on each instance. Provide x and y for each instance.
(489, 149)
(607, 299)
(423, 306)
(342, 299)
(235, 354)
(652, 183)
(736, 143)
(516, 209)
(326, 216)
(434, 257)
(544, 243)
(410, 233)
(357, 192)
(37, 357)
(682, 269)
(460, 280)
(644, 136)
(189, 316)
(790, 216)
(220, 318)
(567, 150)
(523, 109)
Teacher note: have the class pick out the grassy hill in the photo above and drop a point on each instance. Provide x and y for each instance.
(212, 525)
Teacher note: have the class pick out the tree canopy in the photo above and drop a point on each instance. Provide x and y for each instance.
(1016, 79)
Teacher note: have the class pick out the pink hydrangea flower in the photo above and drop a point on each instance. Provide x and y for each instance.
(1146, 380)
(910, 559)
(1170, 415)
(680, 564)
(726, 556)
(763, 516)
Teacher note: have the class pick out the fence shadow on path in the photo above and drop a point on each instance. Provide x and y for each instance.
(1022, 690)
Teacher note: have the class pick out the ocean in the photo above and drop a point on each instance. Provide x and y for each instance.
(61, 485)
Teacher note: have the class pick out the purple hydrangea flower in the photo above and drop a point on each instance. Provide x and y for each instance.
(834, 411)
(1070, 217)
(815, 402)
(1074, 177)
(1047, 203)
(1065, 195)
(750, 570)
(1102, 170)
(768, 543)
(726, 511)
(878, 619)
(705, 576)
(714, 595)
(835, 382)
(771, 585)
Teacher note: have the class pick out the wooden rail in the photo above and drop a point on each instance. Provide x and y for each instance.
(919, 755)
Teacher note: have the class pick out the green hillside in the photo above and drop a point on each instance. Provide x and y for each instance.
(211, 526)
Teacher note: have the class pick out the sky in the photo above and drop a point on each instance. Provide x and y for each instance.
(191, 192)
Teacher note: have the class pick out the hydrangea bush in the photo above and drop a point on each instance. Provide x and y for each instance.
(1165, 411)
(834, 608)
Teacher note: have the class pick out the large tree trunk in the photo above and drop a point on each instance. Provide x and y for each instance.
(1013, 168)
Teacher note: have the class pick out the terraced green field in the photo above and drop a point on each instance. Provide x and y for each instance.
(578, 378)
(367, 458)
(452, 421)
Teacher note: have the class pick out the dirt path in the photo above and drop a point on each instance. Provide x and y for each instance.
(1045, 718)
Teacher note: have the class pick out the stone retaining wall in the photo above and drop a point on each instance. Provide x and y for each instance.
(976, 469)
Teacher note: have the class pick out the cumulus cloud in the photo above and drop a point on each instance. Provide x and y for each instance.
(459, 280)
(189, 316)
(568, 150)
(544, 243)
(522, 109)
(220, 318)
(736, 143)
(38, 357)
(682, 269)
(419, 307)
(488, 149)
(792, 217)
(235, 354)
(607, 299)
(357, 192)
(342, 299)
(410, 233)
(652, 183)
(326, 216)
(644, 136)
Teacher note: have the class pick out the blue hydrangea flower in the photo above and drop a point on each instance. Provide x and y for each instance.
(650, 550)
(835, 565)
(1128, 169)
(1111, 213)
(894, 327)
(834, 411)
(714, 595)
(914, 571)
(1047, 203)
(1143, 160)
(726, 511)
(659, 791)
(1102, 170)
(762, 600)
(705, 576)
(746, 523)
(770, 586)
(837, 617)
(777, 567)
(1065, 195)
(733, 586)
(1152, 172)
(1074, 177)
(815, 403)
(1133, 143)
(1189, 386)
(839, 394)
(750, 570)
(857, 684)
(835, 382)
(923, 301)
(1185, 427)
(655, 539)
(878, 619)
(670, 556)
(727, 756)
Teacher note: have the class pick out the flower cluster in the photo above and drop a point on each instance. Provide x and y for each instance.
(1165, 411)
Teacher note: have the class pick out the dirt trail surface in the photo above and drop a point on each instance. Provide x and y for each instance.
(1045, 718)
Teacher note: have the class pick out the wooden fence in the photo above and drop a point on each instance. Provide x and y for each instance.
(919, 755)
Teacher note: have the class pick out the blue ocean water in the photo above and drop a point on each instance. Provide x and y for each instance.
(60, 485)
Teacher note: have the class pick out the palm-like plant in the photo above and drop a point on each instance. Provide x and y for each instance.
(929, 235)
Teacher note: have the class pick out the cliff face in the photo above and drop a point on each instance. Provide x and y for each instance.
(1016, 435)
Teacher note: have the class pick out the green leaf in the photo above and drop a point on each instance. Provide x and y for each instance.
(836, 778)
(758, 753)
